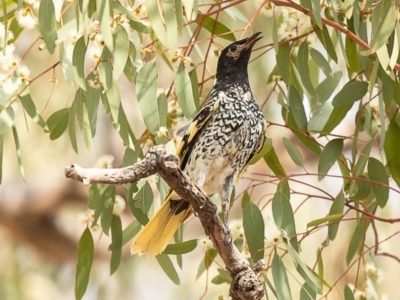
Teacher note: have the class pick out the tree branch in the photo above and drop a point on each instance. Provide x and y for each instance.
(245, 282)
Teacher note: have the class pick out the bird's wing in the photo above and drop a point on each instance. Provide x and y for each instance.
(198, 123)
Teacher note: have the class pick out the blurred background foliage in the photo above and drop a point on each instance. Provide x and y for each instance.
(99, 82)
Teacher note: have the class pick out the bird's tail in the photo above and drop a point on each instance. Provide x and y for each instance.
(154, 237)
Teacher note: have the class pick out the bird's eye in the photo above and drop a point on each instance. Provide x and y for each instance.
(233, 48)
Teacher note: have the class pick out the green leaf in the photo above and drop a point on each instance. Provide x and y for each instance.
(141, 216)
(282, 59)
(264, 150)
(363, 158)
(253, 224)
(113, 105)
(195, 87)
(323, 36)
(280, 278)
(383, 22)
(156, 21)
(294, 153)
(377, 172)
(7, 116)
(30, 108)
(18, 151)
(348, 293)
(283, 216)
(297, 109)
(336, 209)
(326, 219)
(71, 127)
(356, 240)
(84, 261)
(329, 156)
(273, 162)
(116, 239)
(336, 116)
(105, 74)
(306, 273)
(121, 51)
(130, 231)
(78, 62)
(351, 92)
(302, 67)
(92, 101)
(108, 200)
(171, 26)
(316, 9)
(146, 90)
(307, 292)
(166, 264)
(328, 85)
(321, 61)
(81, 110)
(47, 22)
(103, 9)
(360, 188)
(57, 123)
(181, 248)
(183, 89)
(304, 137)
(215, 27)
(144, 198)
(392, 151)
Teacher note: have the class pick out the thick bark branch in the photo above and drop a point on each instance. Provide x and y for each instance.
(245, 282)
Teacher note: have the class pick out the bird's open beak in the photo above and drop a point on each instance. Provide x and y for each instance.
(252, 40)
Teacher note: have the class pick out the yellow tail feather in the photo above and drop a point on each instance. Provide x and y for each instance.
(154, 237)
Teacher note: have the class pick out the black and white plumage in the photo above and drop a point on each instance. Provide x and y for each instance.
(222, 138)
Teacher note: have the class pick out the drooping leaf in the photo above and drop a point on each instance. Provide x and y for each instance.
(329, 156)
(253, 224)
(104, 11)
(84, 261)
(181, 248)
(18, 151)
(377, 173)
(146, 90)
(116, 239)
(304, 270)
(351, 92)
(78, 62)
(356, 240)
(304, 70)
(183, 89)
(169, 269)
(293, 152)
(47, 22)
(336, 209)
(57, 123)
(392, 151)
(144, 198)
(281, 281)
(121, 51)
(30, 108)
(297, 109)
(7, 116)
(273, 162)
(215, 27)
(283, 216)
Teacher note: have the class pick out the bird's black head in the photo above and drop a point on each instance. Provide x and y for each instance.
(233, 61)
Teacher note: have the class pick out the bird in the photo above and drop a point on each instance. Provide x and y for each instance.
(219, 142)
